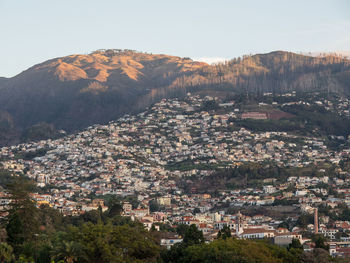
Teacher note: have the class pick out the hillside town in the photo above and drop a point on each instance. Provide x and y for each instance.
(142, 159)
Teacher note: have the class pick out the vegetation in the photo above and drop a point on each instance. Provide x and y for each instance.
(247, 175)
(43, 234)
(31, 154)
(304, 120)
(224, 233)
(40, 131)
(230, 250)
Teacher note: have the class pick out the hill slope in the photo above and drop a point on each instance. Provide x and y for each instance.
(75, 91)
(280, 72)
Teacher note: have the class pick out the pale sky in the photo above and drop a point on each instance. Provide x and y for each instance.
(33, 31)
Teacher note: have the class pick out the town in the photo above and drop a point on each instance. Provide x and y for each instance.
(155, 162)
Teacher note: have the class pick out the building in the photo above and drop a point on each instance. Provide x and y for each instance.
(239, 224)
(284, 239)
(257, 233)
(127, 207)
(170, 241)
(254, 115)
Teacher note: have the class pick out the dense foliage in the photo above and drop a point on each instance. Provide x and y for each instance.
(231, 250)
(247, 175)
(306, 121)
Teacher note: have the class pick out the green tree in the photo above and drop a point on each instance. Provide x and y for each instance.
(196, 210)
(24, 259)
(14, 229)
(284, 224)
(305, 219)
(22, 220)
(154, 206)
(181, 229)
(193, 236)
(345, 215)
(296, 249)
(295, 244)
(6, 253)
(69, 251)
(318, 255)
(320, 242)
(50, 219)
(229, 251)
(93, 216)
(224, 233)
(110, 243)
(114, 207)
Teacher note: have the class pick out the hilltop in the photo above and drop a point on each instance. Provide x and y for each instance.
(76, 91)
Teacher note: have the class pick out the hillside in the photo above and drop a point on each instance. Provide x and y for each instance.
(75, 91)
(279, 72)
(79, 90)
(8, 132)
(2, 81)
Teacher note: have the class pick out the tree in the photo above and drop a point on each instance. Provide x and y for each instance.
(317, 256)
(229, 251)
(345, 215)
(93, 216)
(69, 251)
(6, 253)
(284, 224)
(154, 206)
(196, 210)
(193, 236)
(14, 229)
(24, 259)
(295, 244)
(114, 207)
(305, 219)
(181, 229)
(22, 220)
(109, 243)
(296, 249)
(224, 233)
(320, 242)
(50, 218)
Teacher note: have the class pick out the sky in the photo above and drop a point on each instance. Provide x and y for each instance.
(32, 31)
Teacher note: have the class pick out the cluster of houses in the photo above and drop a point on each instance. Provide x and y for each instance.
(143, 155)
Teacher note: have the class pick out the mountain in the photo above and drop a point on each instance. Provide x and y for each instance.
(8, 133)
(78, 90)
(344, 53)
(2, 81)
(280, 72)
(75, 91)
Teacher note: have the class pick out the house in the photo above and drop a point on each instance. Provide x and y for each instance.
(168, 242)
(340, 249)
(166, 201)
(127, 207)
(330, 233)
(257, 233)
(140, 212)
(254, 115)
(286, 238)
(147, 223)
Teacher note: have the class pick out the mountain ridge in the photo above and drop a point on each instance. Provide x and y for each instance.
(76, 91)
